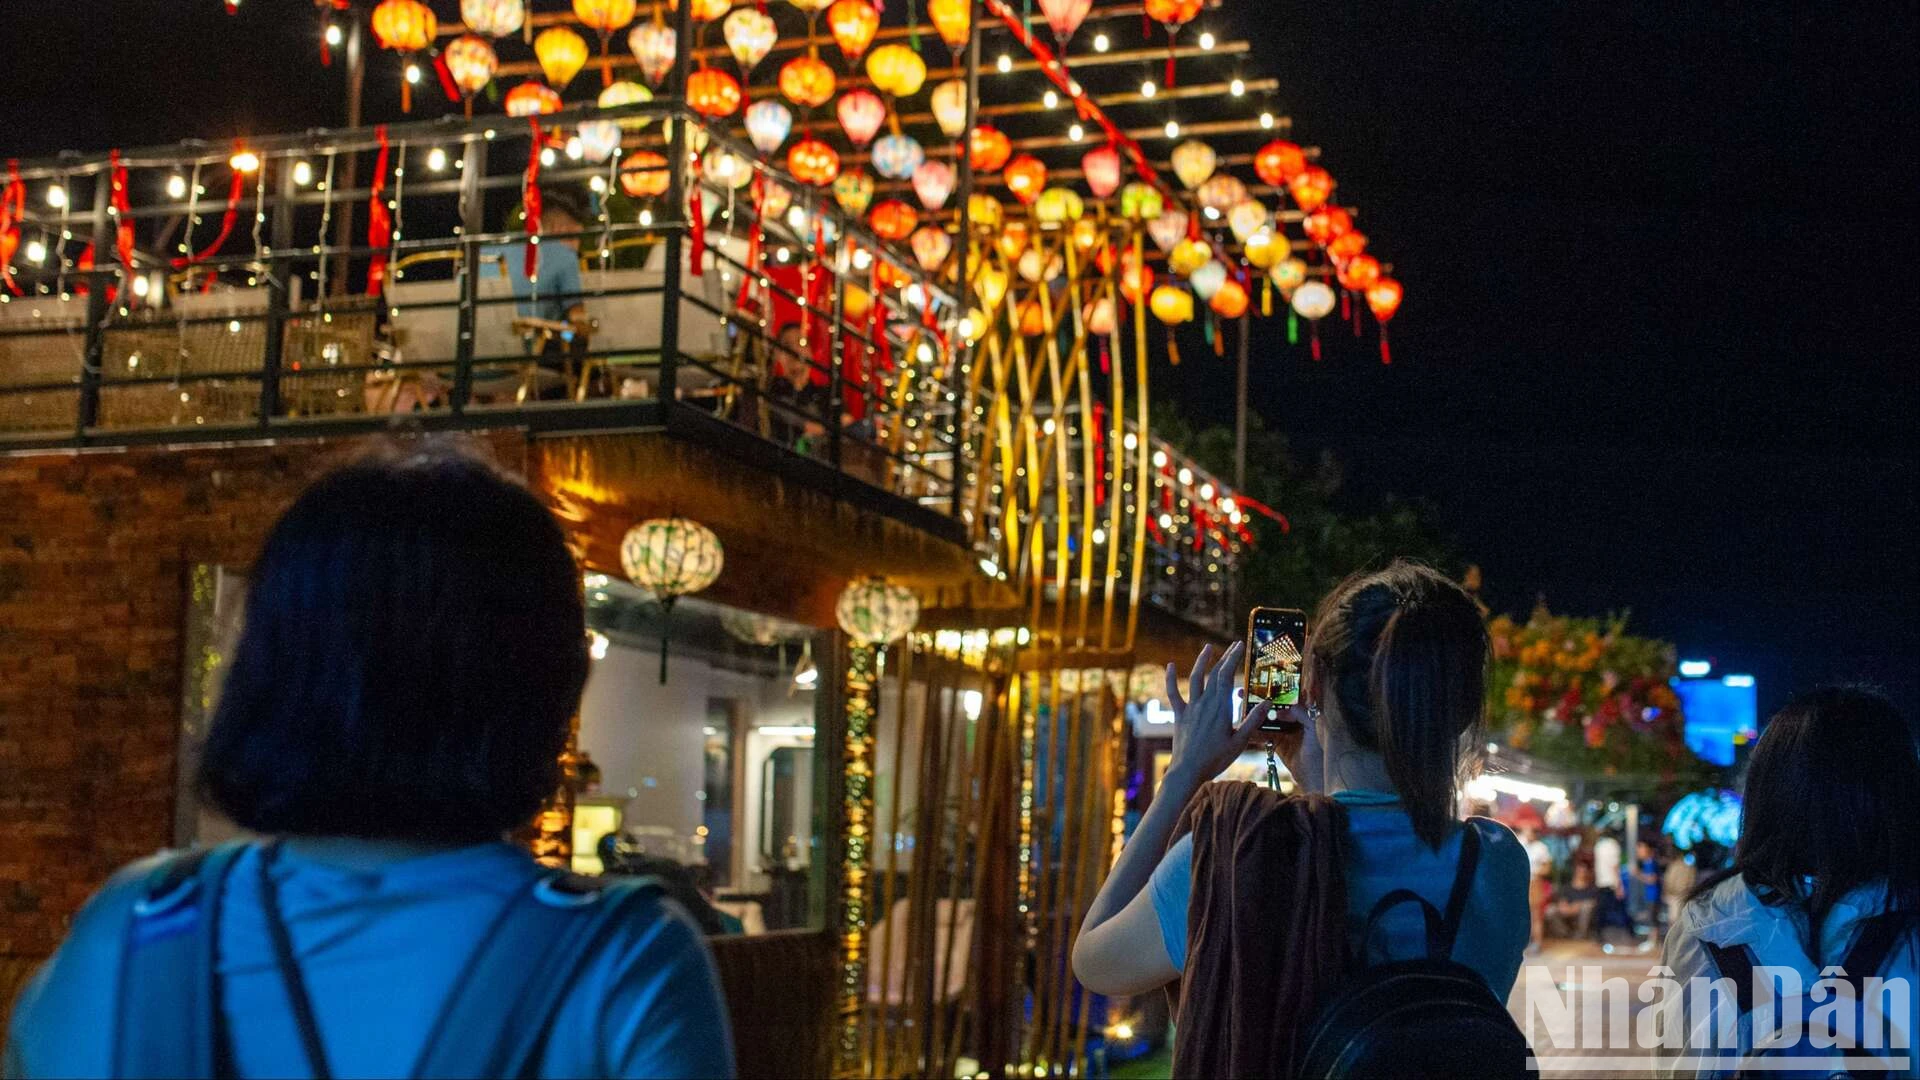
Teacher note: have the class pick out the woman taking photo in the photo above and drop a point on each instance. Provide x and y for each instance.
(414, 646)
(1826, 874)
(1309, 889)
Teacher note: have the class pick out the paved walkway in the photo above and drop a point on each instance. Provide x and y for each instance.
(1579, 970)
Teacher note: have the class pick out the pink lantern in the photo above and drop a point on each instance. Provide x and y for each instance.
(1065, 16)
(930, 246)
(933, 181)
(1102, 167)
(861, 113)
(652, 45)
(1168, 229)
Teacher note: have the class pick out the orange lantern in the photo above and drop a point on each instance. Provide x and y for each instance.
(893, 220)
(1310, 188)
(405, 26)
(1279, 162)
(1012, 240)
(1031, 322)
(807, 81)
(604, 17)
(1026, 176)
(562, 53)
(988, 148)
(853, 22)
(1136, 278)
(704, 10)
(813, 162)
(890, 276)
(1361, 273)
(1172, 14)
(952, 20)
(643, 175)
(1324, 224)
(712, 92)
(931, 245)
(1341, 249)
(1383, 298)
(1229, 301)
(532, 99)
(897, 70)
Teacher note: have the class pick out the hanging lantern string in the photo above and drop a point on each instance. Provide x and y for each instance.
(530, 196)
(326, 222)
(234, 190)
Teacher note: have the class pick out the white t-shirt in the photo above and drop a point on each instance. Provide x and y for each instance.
(1539, 858)
(1606, 863)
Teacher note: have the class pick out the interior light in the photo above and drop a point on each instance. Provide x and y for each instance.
(791, 731)
(141, 285)
(1486, 786)
(1736, 680)
(1694, 669)
(599, 184)
(862, 259)
(990, 568)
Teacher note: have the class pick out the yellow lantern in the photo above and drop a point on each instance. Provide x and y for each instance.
(806, 81)
(704, 10)
(853, 24)
(1193, 162)
(990, 285)
(812, 7)
(626, 92)
(857, 303)
(1246, 218)
(405, 26)
(952, 19)
(605, 16)
(1086, 234)
(562, 53)
(950, 107)
(1288, 274)
(1012, 240)
(896, 70)
(984, 211)
(1264, 249)
(1188, 256)
(1058, 205)
(1172, 305)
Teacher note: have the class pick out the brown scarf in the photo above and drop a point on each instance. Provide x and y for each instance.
(1266, 928)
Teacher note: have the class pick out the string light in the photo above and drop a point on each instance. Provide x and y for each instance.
(57, 197)
(1206, 40)
(646, 218)
(1100, 43)
(413, 74)
(576, 149)
(334, 36)
(1050, 99)
(302, 173)
(1237, 87)
(176, 186)
(436, 159)
(1005, 63)
(1076, 133)
(1266, 120)
(246, 161)
(1147, 89)
(598, 184)
(36, 252)
(1173, 132)
(548, 157)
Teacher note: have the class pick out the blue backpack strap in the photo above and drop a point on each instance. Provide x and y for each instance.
(168, 1020)
(502, 1009)
(1442, 927)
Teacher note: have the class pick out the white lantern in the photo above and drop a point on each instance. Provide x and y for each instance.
(874, 612)
(1246, 218)
(1208, 278)
(949, 103)
(599, 139)
(1193, 162)
(1221, 193)
(671, 558)
(494, 18)
(626, 92)
(750, 36)
(1313, 300)
(652, 45)
(768, 123)
(1168, 229)
(933, 181)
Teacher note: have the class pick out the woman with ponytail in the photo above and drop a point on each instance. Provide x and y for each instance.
(1221, 879)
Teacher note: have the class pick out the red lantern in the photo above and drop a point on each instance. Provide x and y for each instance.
(861, 113)
(712, 92)
(893, 220)
(988, 148)
(813, 162)
(1361, 273)
(1344, 247)
(1383, 297)
(1326, 223)
(1279, 162)
(1102, 168)
(853, 23)
(1026, 177)
(807, 81)
(1136, 278)
(1310, 188)
(643, 174)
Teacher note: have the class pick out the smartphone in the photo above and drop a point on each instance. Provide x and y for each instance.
(1276, 645)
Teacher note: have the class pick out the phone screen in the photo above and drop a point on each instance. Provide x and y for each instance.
(1276, 640)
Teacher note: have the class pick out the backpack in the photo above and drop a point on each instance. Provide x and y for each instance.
(169, 1022)
(1429, 1017)
(1872, 944)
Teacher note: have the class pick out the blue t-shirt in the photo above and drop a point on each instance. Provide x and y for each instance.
(1386, 855)
(558, 287)
(380, 938)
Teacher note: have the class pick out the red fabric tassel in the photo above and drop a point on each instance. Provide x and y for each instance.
(123, 228)
(1386, 354)
(379, 219)
(1169, 61)
(1346, 304)
(447, 86)
(1316, 340)
(530, 195)
(696, 222)
(751, 278)
(13, 209)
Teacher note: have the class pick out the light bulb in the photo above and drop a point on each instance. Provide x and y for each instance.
(548, 157)
(413, 74)
(1005, 63)
(176, 186)
(334, 35)
(1173, 131)
(862, 259)
(1147, 89)
(36, 251)
(1237, 87)
(1050, 99)
(1266, 120)
(1076, 133)
(1100, 43)
(576, 149)
(646, 218)
(1206, 39)
(598, 184)
(302, 173)
(436, 159)
(57, 197)
(245, 161)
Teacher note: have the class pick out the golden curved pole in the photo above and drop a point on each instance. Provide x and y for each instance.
(1142, 485)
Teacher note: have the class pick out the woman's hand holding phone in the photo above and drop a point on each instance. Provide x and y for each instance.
(1298, 744)
(1207, 736)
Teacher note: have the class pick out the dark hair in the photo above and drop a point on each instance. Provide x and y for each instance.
(567, 201)
(1404, 653)
(1832, 793)
(414, 646)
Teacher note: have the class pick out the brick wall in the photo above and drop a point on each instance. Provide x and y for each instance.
(95, 551)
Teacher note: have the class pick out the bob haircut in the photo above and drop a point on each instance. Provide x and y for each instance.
(414, 647)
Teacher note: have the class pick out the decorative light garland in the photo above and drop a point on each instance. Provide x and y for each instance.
(863, 674)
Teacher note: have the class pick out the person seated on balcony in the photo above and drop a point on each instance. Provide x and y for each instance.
(552, 314)
(414, 646)
(800, 400)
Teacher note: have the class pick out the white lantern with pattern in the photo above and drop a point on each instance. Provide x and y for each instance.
(874, 612)
(671, 558)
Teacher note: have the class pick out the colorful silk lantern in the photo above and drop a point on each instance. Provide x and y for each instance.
(853, 24)
(1087, 233)
(853, 191)
(931, 245)
(949, 101)
(562, 53)
(1278, 162)
(1064, 17)
(1026, 176)
(405, 26)
(598, 140)
(990, 285)
(471, 62)
(1101, 165)
(893, 220)
(1361, 273)
(1343, 248)
(1168, 229)
(897, 156)
(1058, 205)
(1136, 278)
(1247, 217)
(704, 10)
(1141, 202)
(1188, 256)
(874, 612)
(626, 92)
(897, 70)
(1171, 305)
(712, 92)
(750, 35)
(1221, 193)
(952, 20)
(984, 211)
(1310, 188)
(933, 182)
(652, 45)
(774, 200)
(768, 123)
(813, 162)
(861, 112)
(532, 99)
(1383, 299)
(988, 148)
(807, 81)
(1098, 317)
(644, 175)
(1229, 301)
(1012, 240)
(494, 18)
(1207, 278)
(1264, 248)
(1322, 225)
(604, 16)
(1287, 275)
(671, 558)
(1193, 162)
(1313, 300)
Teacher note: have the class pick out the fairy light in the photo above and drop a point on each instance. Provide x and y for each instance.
(246, 161)
(302, 173)
(1173, 132)
(57, 197)
(1005, 63)
(413, 74)
(334, 36)
(598, 184)
(646, 218)
(176, 186)
(1076, 132)
(1266, 120)
(36, 251)
(1206, 39)
(437, 159)
(1238, 87)
(1147, 89)
(1050, 99)
(576, 149)
(548, 157)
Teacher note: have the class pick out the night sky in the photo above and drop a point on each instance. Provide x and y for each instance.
(1652, 355)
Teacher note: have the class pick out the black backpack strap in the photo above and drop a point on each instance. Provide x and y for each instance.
(502, 1009)
(168, 1019)
(1457, 899)
(1872, 943)
(1734, 962)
